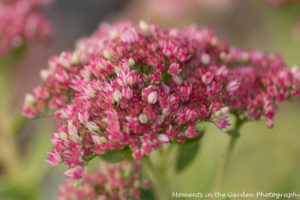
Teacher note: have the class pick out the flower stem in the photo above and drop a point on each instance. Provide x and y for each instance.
(224, 165)
(234, 134)
(9, 155)
(160, 187)
(10, 125)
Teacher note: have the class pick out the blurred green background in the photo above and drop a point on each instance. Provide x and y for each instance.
(265, 159)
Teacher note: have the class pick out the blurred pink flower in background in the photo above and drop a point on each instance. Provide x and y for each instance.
(22, 22)
(112, 181)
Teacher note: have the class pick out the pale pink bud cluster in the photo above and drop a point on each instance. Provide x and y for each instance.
(138, 87)
(122, 181)
(21, 22)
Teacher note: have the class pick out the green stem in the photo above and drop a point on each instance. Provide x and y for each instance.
(234, 134)
(160, 188)
(224, 165)
(10, 157)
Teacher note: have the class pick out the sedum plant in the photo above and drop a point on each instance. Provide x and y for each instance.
(129, 90)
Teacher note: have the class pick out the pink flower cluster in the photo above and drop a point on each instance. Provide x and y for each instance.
(21, 21)
(111, 182)
(141, 86)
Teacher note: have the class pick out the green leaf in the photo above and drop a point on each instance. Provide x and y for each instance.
(116, 156)
(147, 194)
(187, 152)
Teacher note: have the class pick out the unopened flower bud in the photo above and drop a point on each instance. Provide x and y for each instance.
(96, 139)
(245, 57)
(177, 79)
(103, 139)
(83, 117)
(152, 98)
(191, 132)
(222, 56)
(137, 154)
(214, 42)
(113, 34)
(224, 110)
(92, 126)
(44, 74)
(269, 123)
(73, 132)
(207, 78)
(174, 69)
(160, 120)
(295, 70)
(233, 86)
(163, 138)
(131, 61)
(117, 70)
(63, 135)
(205, 59)
(75, 58)
(166, 111)
(29, 100)
(107, 54)
(143, 118)
(64, 60)
(127, 92)
(117, 95)
(130, 79)
(54, 158)
(217, 114)
(144, 26)
(75, 173)
(222, 123)
(62, 114)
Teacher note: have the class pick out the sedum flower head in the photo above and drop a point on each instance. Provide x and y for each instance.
(112, 181)
(138, 87)
(20, 22)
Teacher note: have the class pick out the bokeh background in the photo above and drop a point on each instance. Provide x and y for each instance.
(265, 159)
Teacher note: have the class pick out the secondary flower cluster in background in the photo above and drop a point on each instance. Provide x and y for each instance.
(21, 22)
(138, 87)
(112, 181)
